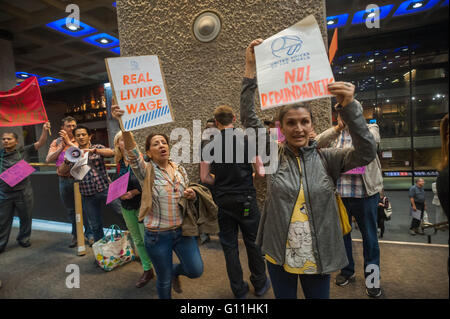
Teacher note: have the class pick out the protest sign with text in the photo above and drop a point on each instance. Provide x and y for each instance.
(139, 89)
(22, 105)
(292, 66)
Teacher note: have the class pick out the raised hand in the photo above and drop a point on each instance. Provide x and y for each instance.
(343, 91)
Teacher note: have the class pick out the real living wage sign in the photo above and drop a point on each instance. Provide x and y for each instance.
(139, 88)
(292, 66)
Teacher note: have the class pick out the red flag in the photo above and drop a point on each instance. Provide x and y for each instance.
(333, 46)
(22, 105)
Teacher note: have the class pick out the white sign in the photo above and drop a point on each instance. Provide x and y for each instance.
(139, 87)
(292, 66)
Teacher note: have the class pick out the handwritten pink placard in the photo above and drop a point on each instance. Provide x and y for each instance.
(356, 171)
(17, 173)
(60, 159)
(118, 188)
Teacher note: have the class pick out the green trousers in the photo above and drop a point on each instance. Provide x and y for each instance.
(137, 233)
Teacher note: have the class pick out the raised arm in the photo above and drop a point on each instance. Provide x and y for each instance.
(44, 135)
(247, 109)
(364, 146)
(135, 157)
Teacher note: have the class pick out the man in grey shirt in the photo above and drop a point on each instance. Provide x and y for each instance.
(417, 198)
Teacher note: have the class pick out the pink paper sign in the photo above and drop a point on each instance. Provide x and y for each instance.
(17, 173)
(356, 171)
(118, 188)
(60, 159)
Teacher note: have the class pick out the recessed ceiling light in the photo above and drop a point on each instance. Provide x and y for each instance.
(384, 67)
(103, 40)
(330, 22)
(397, 56)
(405, 49)
(388, 100)
(417, 5)
(371, 60)
(72, 27)
(370, 15)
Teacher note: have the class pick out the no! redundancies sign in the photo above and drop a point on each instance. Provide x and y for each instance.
(292, 66)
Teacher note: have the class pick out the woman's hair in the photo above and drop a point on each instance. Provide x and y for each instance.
(286, 108)
(149, 139)
(117, 152)
(444, 143)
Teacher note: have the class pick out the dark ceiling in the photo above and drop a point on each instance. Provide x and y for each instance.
(46, 52)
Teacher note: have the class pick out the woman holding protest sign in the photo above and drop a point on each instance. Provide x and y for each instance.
(163, 183)
(130, 202)
(299, 230)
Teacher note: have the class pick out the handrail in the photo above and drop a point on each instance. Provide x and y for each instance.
(54, 165)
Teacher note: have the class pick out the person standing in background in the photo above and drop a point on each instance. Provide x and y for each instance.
(418, 206)
(56, 154)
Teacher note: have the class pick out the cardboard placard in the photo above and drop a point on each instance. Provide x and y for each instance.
(292, 66)
(139, 88)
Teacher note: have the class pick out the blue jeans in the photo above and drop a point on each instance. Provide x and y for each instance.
(284, 284)
(92, 205)
(365, 211)
(66, 195)
(159, 247)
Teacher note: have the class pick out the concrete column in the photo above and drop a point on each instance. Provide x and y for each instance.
(201, 76)
(8, 75)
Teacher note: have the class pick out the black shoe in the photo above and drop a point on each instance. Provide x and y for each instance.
(24, 244)
(373, 292)
(264, 289)
(342, 280)
(243, 295)
(74, 242)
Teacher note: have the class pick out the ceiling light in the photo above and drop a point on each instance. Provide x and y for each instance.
(330, 22)
(370, 15)
(103, 40)
(388, 100)
(371, 60)
(75, 29)
(417, 5)
(384, 67)
(397, 56)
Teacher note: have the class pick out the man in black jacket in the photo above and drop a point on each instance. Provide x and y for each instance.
(235, 196)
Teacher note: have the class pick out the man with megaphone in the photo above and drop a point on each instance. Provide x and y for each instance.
(56, 153)
(94, 180)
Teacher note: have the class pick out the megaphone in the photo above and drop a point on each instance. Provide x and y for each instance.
(73, 154)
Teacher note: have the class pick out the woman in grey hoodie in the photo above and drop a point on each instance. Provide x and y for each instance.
(299, 231)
